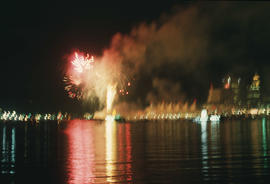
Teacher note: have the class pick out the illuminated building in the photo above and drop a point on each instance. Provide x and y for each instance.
(231, 91)
(235, 86)
(233, 95)
(226, 97)
(214, 95)
(214, 99)
(254, 94)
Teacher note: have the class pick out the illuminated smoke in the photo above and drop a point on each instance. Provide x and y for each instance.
(171, 41)
(164, 90)
(172, 50)
(187, 44)
(150, 49)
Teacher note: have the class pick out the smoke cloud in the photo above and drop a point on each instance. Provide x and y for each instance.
(165, 91)
(176, 57)
(151, 51)
(171, 40)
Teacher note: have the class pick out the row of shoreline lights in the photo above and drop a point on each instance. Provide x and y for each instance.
(13, 116)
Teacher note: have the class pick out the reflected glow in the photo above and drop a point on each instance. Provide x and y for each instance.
(124, 143)
(214, 135)
(204, 146)
(13, 146)
(8, 152)
(158, 151)
(264, 142)
(4, 140)
(110, 129)
(128, 152)
(25, 142)
(81, 152)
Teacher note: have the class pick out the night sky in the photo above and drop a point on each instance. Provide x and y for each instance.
(216, 39)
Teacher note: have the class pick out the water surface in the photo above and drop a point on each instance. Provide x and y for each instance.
(80, 151)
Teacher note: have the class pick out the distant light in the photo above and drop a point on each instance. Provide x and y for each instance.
(214, 117)
(204, 115)
(227, 86)
(253, 111)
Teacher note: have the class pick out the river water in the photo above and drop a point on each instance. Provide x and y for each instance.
(80, 151)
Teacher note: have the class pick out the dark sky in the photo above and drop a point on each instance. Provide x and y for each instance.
(36, 37)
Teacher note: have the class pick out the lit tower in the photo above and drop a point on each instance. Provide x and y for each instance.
(231, 90)
(253, 97)
(235, 86)
(227, 82)
(255, 86)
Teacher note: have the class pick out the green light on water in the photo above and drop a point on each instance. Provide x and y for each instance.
(264, 142)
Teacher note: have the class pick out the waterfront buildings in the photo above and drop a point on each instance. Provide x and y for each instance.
(234, 94)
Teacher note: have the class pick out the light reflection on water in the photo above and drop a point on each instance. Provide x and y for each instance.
(204, 147)
(81, 151)
(81, 154)
(110, 138)
(264, 142)
(8, 151)
(98, 156)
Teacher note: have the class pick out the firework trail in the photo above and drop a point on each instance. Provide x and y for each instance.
(110, 97)
(73, 90)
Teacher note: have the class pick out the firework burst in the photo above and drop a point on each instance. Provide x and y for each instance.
(73, 90)
(81, 63)
(87, 80)
(75, 81)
